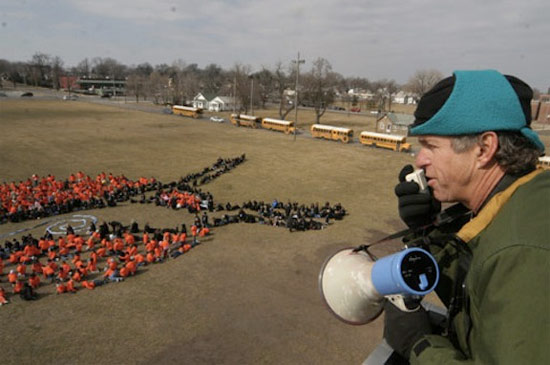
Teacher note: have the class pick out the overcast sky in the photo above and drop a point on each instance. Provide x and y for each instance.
(373, 39)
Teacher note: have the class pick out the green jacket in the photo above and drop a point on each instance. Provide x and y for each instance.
(505, 316)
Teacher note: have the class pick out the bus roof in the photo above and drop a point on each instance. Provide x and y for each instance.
(330, 127)
(245, 116)
(185, 107)
(392, 137)
(286, 122)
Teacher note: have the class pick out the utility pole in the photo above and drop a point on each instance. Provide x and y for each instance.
(235, 93)
(251, 94)
(297, 61)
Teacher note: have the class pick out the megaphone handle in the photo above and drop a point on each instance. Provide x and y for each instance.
(405, 304)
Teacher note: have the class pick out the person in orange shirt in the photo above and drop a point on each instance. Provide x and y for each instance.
(12, 277)
(36, 266)
(92, 266)
(76, 276)
(34, 281)
(118, 246)
(124, 272)
(158, 253)
(48, 273)
(3, 299)
(204, 231)
(101, 252)
(60, 288)
(18, 287)
(140, 260)
(71, 286)
(150, 247)
(21, 269)
(145, 238)
(88, 284)
(131, 266)
(43, 244)
(165, 246)
(76, 259)
(90, 243)
(52, 254)
(132, 250)
(150, 257)
(65, 267)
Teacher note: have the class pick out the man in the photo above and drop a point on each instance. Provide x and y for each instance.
(477, 149)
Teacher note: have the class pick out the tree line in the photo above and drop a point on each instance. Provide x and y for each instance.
(319, 86)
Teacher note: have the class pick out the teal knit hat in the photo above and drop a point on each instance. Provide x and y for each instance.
(474, 102)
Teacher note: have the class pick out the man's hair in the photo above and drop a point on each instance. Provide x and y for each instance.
(515, 153)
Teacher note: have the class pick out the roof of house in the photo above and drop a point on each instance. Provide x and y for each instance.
(398, 118)
(207, 96)
(224, 99)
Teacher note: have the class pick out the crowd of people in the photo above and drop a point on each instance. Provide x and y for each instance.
(112, 252)
(292, 215)
(39, 197)
(109, 253)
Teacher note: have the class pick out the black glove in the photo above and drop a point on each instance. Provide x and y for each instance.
(403, 329)
(416, 209)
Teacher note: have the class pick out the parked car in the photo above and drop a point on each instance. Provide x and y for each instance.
(70, 97)
(217, 119)
(26, 94)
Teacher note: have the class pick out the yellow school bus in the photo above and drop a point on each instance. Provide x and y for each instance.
(186, 111)
(243, 120)
(333, 133)
(544, 162)
(391, 141)
(278, 125)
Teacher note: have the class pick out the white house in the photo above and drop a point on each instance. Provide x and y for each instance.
(403, 98)
(221, 103)
(202, 100)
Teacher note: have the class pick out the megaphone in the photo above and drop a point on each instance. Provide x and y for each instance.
(353, 284)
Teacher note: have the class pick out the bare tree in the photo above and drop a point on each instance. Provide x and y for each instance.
(136, 85)
(108, 68)
(240, 74)
(38, 69)
(212, 78)
(391, 88)
(158, 88)
(281, 83)
(319, 86)
(83, 69)
(56, 71)
(422, 81)
(265, 85)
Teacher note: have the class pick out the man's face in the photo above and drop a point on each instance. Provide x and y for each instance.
(449, 173)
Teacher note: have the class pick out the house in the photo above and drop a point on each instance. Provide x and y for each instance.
(540, 109)
(202, 100)
(394, 123)
(403, 98)
(221, 103)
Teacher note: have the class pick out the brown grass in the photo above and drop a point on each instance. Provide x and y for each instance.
(249, 294)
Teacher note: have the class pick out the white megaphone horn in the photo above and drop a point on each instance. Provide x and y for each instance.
(353, 284)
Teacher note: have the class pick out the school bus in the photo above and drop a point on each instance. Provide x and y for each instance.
(278, 125)
(391, 141)
(333, 133)
(544, 162)
(243, 120)
(186, 111)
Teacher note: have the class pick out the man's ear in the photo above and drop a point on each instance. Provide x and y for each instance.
(488, 146)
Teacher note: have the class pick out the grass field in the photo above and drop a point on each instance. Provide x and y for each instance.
(248, 294)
